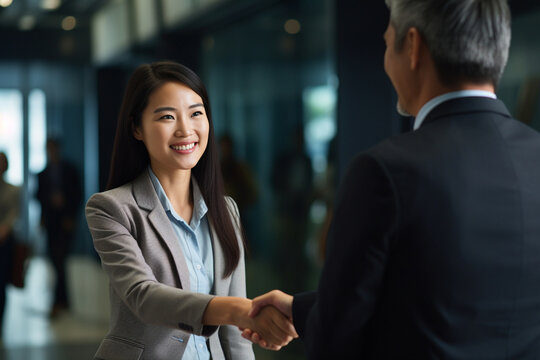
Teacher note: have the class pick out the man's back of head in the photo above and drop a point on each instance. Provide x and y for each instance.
(468, 39)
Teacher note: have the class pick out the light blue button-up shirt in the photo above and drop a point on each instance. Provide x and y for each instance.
(196, 243)
(431, 104)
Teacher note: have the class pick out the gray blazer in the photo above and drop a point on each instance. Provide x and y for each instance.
(152, 316)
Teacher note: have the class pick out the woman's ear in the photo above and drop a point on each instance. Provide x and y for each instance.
(136, 130)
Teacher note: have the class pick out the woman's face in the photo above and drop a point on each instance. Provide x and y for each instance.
(174, 128)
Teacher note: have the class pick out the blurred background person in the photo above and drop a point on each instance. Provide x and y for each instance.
(239, 181)
(292, 180)
(59, 193)
(9, 211)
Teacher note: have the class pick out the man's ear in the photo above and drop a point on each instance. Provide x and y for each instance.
(415, 42)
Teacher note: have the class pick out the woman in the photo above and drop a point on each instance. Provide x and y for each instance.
(169, 241)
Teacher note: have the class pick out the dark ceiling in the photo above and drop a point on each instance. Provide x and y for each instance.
(42, 16)
(32, 29)
(46, 14)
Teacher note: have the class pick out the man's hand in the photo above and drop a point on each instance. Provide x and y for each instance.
(275, 327)
(276, 298)
(256, 339)
(271, 329)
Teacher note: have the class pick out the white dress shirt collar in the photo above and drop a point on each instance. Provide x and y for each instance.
(431, 104)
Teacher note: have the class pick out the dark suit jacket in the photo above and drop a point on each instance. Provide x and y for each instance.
(434, 251)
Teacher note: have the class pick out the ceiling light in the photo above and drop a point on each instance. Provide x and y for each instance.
(27, 22)
(50, 4)
(5, 3)
(292, 26)
(69, 23)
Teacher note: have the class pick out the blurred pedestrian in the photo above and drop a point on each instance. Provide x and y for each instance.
(9, 211)
(59, 192)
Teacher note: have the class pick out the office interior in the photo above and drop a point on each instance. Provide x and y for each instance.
(291, 82)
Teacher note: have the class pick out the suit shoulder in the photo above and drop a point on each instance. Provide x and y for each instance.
(381, 151)
(401, 146)
(114, 197)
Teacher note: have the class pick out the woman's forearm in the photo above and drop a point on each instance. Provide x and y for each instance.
(228, 310)
(276, 329)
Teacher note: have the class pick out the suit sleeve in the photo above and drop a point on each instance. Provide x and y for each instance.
(333, 321)
(233, 344)
(302, 304)
(133, 279)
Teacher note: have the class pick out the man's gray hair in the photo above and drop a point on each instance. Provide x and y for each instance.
(468, 39)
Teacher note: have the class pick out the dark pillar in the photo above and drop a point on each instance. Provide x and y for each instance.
(366, 99)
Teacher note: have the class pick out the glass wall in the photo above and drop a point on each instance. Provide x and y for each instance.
(272, 86)
(520, 84)
(11, 130)
(12, 139)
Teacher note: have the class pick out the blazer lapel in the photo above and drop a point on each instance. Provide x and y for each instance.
(146, 198)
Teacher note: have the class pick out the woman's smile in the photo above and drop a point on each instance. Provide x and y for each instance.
(184, 148)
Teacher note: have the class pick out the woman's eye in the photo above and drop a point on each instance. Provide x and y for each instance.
(197, 113)
(167, 117)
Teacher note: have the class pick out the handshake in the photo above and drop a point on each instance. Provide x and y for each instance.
(269, 321)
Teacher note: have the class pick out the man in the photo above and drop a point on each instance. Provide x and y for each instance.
(59, 192)
(434, 251)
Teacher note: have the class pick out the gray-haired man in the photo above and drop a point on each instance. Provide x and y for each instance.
(434, 251)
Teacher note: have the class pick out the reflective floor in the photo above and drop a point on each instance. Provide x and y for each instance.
(30, 333)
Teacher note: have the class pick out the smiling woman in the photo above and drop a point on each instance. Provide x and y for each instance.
(174, 129)
(169, 240)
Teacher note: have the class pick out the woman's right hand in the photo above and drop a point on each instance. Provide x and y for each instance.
(273, 328)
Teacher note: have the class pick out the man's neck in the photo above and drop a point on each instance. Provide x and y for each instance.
(431, 92)
(471, 86)
(454, 94)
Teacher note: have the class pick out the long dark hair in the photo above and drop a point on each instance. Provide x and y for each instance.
(130, 157)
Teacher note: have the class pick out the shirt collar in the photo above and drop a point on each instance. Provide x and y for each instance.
(199, 205)
(431, 104)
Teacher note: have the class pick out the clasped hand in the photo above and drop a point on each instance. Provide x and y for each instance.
(272, 319)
